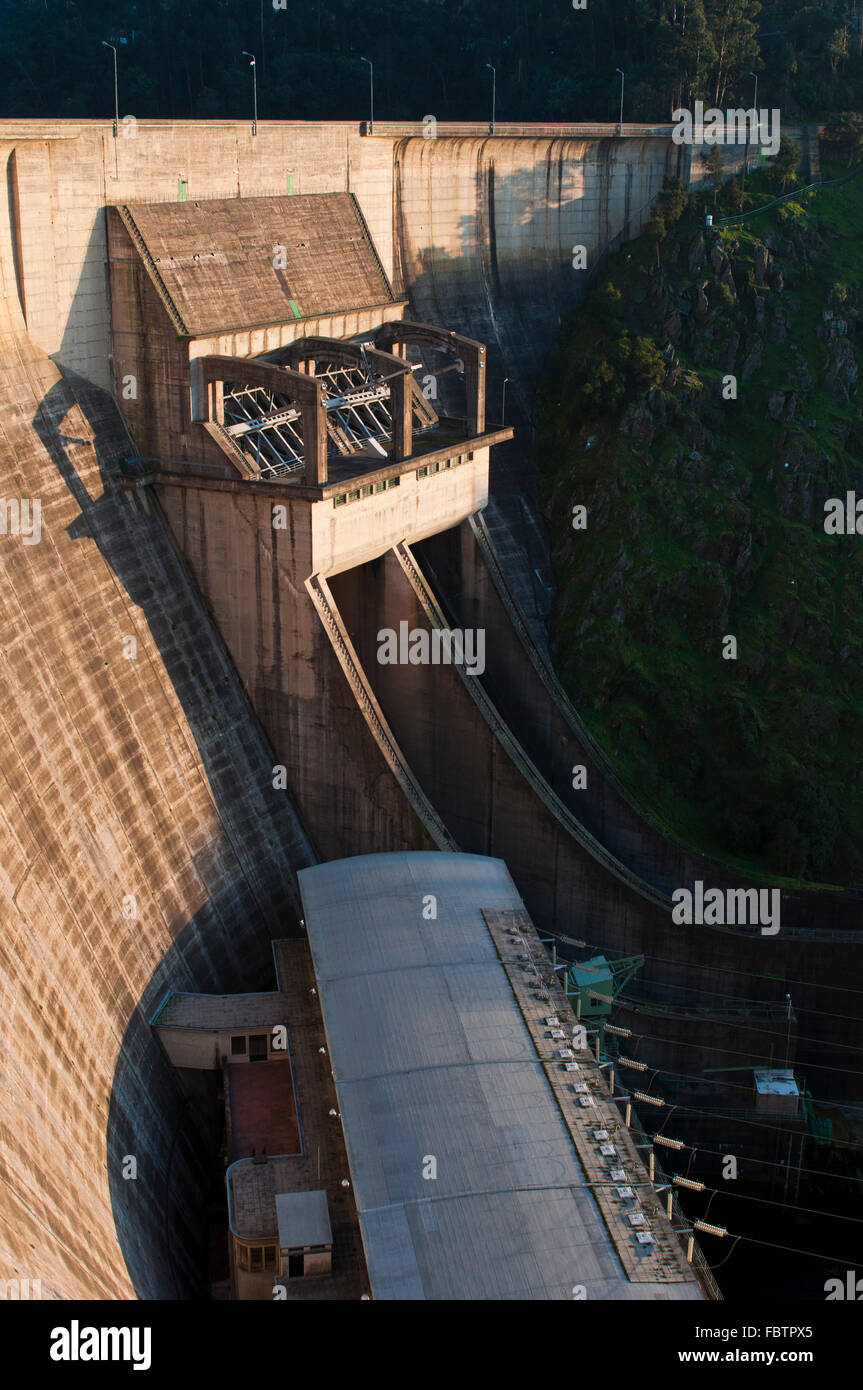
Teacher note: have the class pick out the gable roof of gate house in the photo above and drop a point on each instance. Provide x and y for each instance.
(212, 260)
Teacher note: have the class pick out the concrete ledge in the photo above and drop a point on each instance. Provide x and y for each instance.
(177, 476)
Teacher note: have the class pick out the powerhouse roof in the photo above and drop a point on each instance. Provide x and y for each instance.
(467, 1183)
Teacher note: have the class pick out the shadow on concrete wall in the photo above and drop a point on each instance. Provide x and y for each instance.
(508, 279)
(88, 318)
(160, 1216)
(510, 296)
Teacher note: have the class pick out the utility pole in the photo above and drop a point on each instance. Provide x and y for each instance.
(622, 80)
(746, 151)
(493, 95)
(371, 94)
(116, 107)
(253, 66)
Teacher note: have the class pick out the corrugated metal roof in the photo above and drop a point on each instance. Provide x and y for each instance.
(432, 1060)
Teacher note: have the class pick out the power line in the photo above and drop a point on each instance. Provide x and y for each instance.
(708, 1081)
(736, 1052)
(770, 1202)
(739, 1120)
(727, 970)
(621, 1000)
(768, 1162)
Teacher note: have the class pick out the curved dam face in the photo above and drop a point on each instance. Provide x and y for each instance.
(488, 233)
(141, 845)
(466, 755)
(498, 237)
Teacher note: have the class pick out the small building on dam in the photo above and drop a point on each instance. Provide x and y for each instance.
(466, 1145)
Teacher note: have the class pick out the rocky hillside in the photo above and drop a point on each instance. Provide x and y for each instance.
(703, 408)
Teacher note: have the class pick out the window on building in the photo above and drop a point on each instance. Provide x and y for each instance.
(422, 472)
(340, 499)
(256, 1260)
(243, 1256)
(238, 1046)
(393, 482)
(269, 1257)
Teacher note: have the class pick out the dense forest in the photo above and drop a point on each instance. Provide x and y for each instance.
(706, 517)
(183, 58)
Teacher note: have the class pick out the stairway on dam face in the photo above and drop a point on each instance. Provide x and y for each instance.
(138, 786)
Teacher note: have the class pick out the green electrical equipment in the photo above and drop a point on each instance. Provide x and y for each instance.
(592, 985)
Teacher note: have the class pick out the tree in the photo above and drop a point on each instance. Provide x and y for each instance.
(647, 363)
(846, 131)
(732, 23)
(837, 48)
(787, 160)
(715, 169)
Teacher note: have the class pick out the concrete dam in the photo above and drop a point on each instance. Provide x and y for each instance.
(214, 351)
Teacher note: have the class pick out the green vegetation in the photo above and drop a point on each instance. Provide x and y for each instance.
(705, 518)
(183, 58)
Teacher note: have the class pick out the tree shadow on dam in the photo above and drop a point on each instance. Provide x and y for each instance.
(218, 897)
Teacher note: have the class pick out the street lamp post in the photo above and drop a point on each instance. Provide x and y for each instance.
(371, 94)
(493, 95)
(622, 80)
(503, 401)
(253, 65)
(116, 106)
(746, 151)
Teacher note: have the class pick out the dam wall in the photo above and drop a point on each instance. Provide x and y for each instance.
(143, 843)
(142, 846)
(496, 238)
(252, 578)
(463, 758)
(488, 231)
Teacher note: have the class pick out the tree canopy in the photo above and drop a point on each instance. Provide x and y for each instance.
(183, 58)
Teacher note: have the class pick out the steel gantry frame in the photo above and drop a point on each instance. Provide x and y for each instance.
(292, 410)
